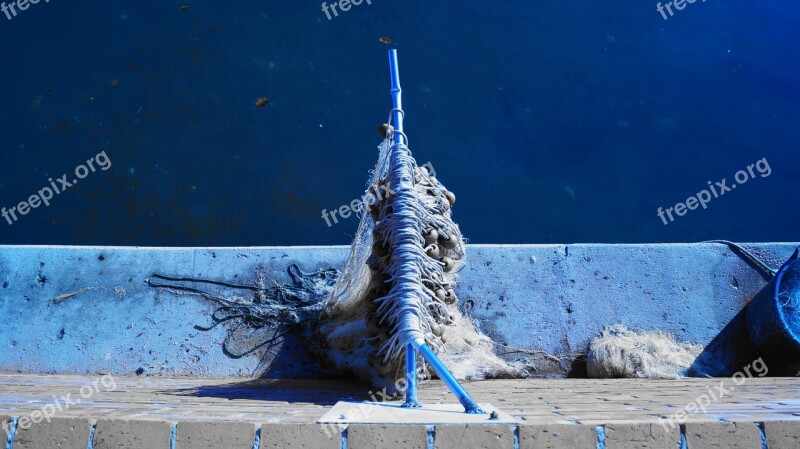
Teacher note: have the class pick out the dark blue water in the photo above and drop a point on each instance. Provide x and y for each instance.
(552, 121)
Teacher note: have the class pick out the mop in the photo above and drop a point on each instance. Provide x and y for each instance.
(396, 291)
(393, 304)
(405, 225)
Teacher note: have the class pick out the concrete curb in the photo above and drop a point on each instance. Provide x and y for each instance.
(87, 310)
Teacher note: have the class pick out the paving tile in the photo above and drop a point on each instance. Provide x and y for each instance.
(720, 435)
(379, 436)
(473, 436)
(129, 434)
(641, 436)
(62, 433)
(557, 437)
(782, 434)
(300, 436)
(215, 435)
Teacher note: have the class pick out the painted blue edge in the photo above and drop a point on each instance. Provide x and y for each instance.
(257, 441)
(682, 444)
(173, 436)
(90, 444)
(601, 436)
(764, 442)
(12, 432)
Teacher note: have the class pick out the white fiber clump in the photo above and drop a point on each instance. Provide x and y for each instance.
(398, 285)
(470, 355)
(620, 352)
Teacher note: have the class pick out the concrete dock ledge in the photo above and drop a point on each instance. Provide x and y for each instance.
(88, 310)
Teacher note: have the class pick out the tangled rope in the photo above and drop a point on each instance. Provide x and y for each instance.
(281, 307)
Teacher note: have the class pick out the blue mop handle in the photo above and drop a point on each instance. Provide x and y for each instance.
(396, 157)
(397, 119)
(470, 406)
(397, 97)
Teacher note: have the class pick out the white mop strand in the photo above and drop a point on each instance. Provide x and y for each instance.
(398, 281)
(404, 307)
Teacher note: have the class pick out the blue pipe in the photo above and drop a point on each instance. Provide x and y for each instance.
(397, 119)
(411, 378)
(397, 97)
(470, 406)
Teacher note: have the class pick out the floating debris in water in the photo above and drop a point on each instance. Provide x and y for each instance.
(185, 7)
(261, 102)
(386, 40)
(114, 83)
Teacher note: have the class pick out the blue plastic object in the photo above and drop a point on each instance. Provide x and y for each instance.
(773, 316)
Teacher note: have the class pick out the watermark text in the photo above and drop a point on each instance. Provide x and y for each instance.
(679, 5)
(713, 394)
(715, 190)
(343, 5)
(60, 404)
(10, 9)
(44, 195)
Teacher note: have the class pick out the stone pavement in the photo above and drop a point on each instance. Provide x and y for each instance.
(174, 413)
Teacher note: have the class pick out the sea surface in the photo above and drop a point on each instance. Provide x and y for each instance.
(553, 121)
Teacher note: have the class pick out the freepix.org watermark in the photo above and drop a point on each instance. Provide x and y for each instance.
(343, 5)
(714, 394)
(357, 205)
(10, 9)
(46, 194)
(61, 404)
(679, 5)
(715, 190)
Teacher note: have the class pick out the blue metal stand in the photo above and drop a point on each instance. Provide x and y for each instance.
(411, 378)
(470, 406)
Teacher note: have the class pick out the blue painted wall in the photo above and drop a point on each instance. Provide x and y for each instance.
(553, 121)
